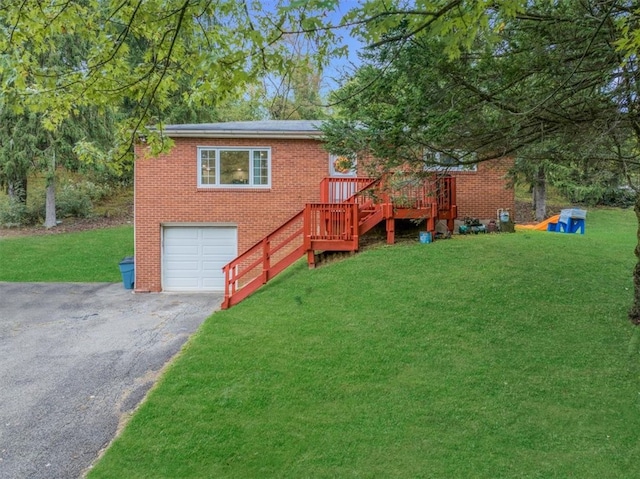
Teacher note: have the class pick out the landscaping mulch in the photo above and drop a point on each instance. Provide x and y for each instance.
(525, 214)
(69, 225)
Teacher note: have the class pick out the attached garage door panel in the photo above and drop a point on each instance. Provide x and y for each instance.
(193, 257)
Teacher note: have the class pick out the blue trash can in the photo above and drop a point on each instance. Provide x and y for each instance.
(127, 270)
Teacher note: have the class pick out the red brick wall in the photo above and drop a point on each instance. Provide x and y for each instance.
(481, 193)
(166, 191)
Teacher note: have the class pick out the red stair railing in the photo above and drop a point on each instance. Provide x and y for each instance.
(319, 226)
(264, 260)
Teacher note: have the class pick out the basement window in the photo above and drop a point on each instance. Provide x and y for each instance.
(234, 167)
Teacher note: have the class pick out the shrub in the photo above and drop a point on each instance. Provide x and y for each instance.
(73, 201)
(620, 197)
(77, 199)
(598, 195)
(12, 213)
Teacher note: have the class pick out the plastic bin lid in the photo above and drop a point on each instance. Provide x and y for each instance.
(127, 260)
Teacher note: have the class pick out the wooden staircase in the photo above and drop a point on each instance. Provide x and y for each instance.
(349, 208)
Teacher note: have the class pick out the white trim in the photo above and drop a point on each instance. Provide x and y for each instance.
(234, 133)
(217, 184)
(191, 224)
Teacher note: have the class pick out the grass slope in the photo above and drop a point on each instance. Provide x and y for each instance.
(86, 256)
(486, 356)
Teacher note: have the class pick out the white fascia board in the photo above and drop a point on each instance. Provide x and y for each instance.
(278, 135)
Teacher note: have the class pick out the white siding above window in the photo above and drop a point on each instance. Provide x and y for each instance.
(234, 167)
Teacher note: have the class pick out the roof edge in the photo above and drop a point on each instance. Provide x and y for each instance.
(266, 134)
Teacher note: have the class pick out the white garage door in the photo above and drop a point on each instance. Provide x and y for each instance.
(193, 257)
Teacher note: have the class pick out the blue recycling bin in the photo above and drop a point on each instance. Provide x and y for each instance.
(127, 269)
(425, 237)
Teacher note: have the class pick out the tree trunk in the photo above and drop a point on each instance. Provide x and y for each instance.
(634, 312)
(17, 190)
(50, 206)
(540, 194)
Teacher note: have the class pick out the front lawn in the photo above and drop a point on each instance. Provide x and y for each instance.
(486, 356)
(86, 256)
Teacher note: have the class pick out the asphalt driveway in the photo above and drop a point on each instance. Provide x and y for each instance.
(75, 359)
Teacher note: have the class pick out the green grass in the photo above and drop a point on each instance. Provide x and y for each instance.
(482, 356)
(69, 257)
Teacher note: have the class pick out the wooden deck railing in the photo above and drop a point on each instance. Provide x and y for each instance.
(338, 190)
(412, 195)
(332, 224)
(420, 192)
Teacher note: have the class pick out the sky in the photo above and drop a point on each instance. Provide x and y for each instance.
(341, 66)
(338, 67)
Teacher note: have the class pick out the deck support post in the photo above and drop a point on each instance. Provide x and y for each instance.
(451, 225)
(431, 225)
(355, 220)
(391, 223)
(391, 231)
(227, 295)
(311, 259)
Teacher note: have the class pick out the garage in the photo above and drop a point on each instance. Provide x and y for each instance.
(193, 256)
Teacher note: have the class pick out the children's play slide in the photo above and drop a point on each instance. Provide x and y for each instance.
(540, 226)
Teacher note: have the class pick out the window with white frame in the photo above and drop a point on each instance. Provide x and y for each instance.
(234, 167)
(436, 160)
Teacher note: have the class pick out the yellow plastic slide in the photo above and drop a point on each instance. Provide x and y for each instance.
(540, 226)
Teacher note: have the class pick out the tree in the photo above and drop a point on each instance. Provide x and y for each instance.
(547, 84)
(25, 146)
(142, 52)
(155, 61)
(295, 94)
(18, 147)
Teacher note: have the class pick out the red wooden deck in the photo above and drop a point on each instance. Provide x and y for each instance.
(349, 208)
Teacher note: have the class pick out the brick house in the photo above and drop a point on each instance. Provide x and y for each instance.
(224, 186)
